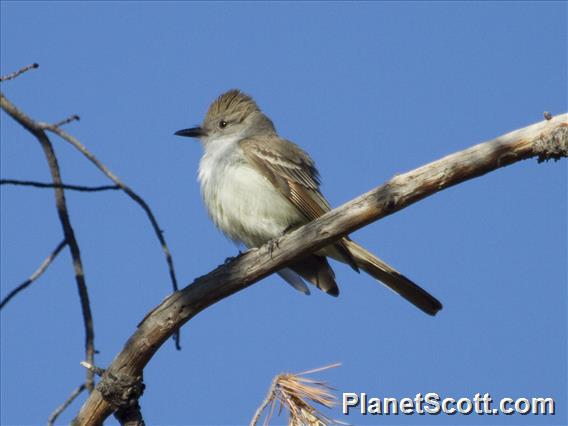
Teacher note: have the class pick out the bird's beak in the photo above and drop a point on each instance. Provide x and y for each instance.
(194, 132)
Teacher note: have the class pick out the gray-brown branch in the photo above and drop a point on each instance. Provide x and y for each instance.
(63, 214)
(129, 191)
(133, 195)
(547, 139)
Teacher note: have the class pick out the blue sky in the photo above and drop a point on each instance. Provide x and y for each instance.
(370, 90)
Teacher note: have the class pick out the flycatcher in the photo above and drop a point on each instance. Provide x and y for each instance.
(256, 186)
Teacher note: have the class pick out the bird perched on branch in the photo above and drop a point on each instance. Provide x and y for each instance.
(257, 185)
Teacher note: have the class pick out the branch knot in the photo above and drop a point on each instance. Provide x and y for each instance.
(121, 391)
(552, 146)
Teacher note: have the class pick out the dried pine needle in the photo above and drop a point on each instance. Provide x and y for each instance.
(297, 395)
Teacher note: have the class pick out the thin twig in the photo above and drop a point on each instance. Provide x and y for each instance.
(66, 404)
(269, 398)
(96, 370)
(15, 74)
(130, 192)
(63, 214)
(36, 274)
(63, 185)
(68, 120)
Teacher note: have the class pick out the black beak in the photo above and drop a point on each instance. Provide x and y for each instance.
(194, 132)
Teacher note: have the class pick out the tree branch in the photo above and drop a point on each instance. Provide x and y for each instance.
(61, 205)
(55, 128)
(133, 195)
(80, 188)
(547, 139)
(53, 417)
(36, 274)
(79, 146)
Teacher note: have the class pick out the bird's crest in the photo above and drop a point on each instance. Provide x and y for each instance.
(233, 104)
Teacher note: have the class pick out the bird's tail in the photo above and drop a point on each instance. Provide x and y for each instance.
(393, 279)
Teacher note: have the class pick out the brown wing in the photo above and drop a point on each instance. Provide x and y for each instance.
(294, 174)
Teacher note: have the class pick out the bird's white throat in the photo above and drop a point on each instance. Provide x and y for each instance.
(242, 202)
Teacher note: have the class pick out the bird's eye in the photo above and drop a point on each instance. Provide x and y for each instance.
(222, 124)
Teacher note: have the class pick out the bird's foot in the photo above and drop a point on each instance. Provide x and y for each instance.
(272, 244)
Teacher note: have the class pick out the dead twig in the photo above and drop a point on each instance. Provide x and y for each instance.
(53, 417)
(80, 188)
(268, 400)
(133, 195)
(36, 274)
(96, 370)
(55, 128)
(61, 204)
(15, 74)
(68, 120)
(129, 191)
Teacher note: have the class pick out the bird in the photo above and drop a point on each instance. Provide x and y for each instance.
(257, 185)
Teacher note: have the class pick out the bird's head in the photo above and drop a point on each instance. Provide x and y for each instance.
(234, 114)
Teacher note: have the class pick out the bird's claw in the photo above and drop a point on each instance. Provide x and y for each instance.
(272, 244)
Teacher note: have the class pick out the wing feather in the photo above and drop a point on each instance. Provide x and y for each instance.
(294, 174)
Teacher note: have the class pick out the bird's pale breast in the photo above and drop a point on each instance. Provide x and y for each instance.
(242, 202)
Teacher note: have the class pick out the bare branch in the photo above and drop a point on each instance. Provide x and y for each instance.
(36, 274)
(66, 404)
(19, 72)
(130, 192)
(138, 199)
(543, 139)
(63, 185)
(63, 213)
